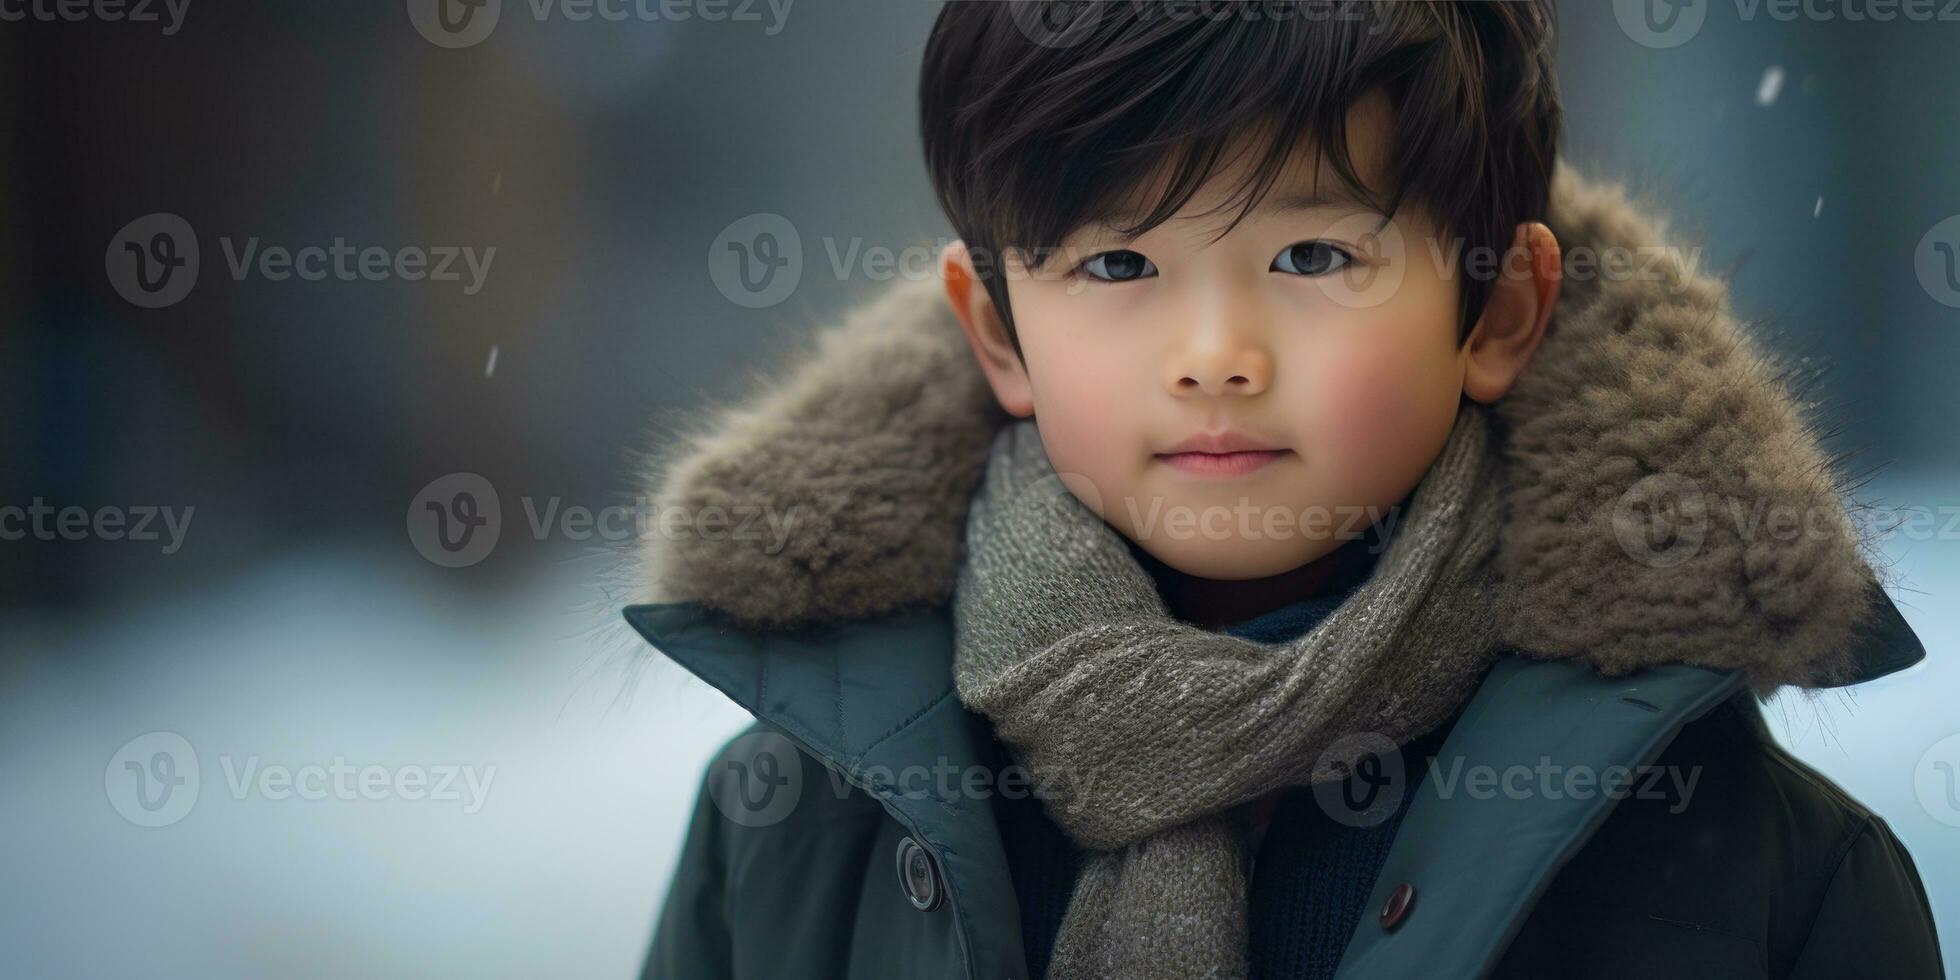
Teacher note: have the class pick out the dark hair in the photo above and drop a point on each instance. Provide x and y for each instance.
(1039, 117)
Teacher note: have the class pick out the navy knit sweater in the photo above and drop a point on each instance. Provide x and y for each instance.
(1310, 879)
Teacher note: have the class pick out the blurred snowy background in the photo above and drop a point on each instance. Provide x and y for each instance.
(298, 625)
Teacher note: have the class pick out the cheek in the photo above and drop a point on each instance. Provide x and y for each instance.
(1387, 407)
(1076, 382)
(1079, 435)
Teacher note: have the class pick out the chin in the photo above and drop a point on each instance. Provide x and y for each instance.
(1236, 561)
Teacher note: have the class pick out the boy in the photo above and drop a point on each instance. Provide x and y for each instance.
(1256, 555)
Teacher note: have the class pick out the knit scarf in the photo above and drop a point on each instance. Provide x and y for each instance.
(1145, 736)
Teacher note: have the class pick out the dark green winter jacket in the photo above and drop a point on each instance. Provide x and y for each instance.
(791, 867)
(1608, 804)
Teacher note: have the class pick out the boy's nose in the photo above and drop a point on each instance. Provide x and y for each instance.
(1234, 368)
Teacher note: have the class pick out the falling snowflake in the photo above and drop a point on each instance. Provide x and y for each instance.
(490, 366)
(1772, 83)
(1818, 208)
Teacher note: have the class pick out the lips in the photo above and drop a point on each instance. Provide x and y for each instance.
(1222, 454)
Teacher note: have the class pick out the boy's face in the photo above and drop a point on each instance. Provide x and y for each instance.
(1242, 407)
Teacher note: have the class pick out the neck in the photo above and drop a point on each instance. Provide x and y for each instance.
(1213, 604)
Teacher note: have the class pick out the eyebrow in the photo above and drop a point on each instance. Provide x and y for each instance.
(1277, 204)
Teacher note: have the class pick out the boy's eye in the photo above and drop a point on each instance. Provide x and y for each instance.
(1312, 258)
(1122, 265)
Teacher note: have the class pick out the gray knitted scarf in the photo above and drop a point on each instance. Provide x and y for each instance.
(1146, 736)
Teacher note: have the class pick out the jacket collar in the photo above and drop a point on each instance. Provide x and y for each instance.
(1479, 865)
(874, 701)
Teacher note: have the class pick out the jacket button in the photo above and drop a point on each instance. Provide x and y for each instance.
(918, 876)
(1397, 907)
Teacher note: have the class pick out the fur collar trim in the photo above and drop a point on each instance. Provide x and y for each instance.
(1646, 396)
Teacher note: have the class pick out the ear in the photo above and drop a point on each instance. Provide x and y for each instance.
(986, 333)
(1514, 318)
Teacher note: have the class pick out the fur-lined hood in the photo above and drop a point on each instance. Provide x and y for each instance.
(1646, 396)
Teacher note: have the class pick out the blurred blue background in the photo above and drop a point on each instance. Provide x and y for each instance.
(297, 622)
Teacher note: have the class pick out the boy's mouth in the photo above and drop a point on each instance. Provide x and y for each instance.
(1223, 464)
(1223, 454)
